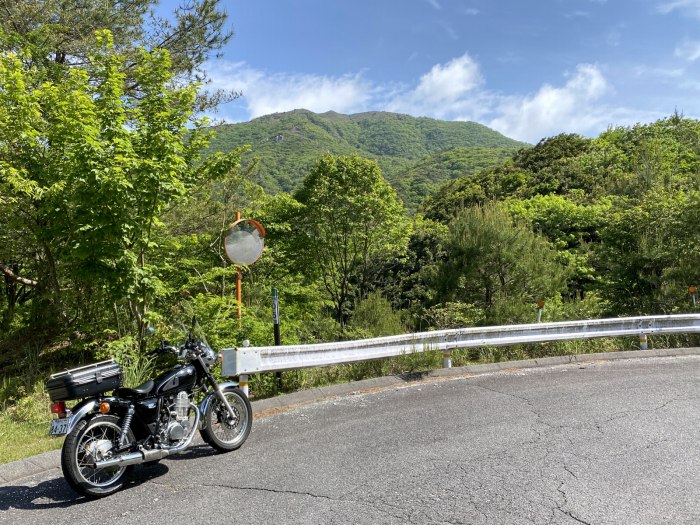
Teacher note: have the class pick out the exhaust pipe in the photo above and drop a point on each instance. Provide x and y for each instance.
(133, 458)
(143, 456)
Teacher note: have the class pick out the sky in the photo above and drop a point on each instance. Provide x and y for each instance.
(529, 69)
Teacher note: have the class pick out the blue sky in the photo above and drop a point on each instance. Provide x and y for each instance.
(528, 69)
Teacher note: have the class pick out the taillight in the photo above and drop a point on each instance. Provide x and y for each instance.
(59, 407)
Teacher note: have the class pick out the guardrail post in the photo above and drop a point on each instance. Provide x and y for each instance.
(243, 378)
(643, 341)
(243, 384)
(446, 359)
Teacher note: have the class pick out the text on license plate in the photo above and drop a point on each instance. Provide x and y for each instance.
(59, 426)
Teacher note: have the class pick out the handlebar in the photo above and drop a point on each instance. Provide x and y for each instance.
(189, 349)
(163, 347)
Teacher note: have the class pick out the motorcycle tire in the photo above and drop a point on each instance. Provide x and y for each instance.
(222, 432)
(89, 441)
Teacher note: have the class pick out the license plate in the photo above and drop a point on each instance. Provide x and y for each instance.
(59, 427)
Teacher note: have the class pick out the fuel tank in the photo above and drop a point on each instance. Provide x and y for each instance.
(180, 378)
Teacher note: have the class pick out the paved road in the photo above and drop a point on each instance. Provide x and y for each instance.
(596, 443)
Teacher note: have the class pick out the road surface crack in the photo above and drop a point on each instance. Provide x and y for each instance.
(560, 507)
(273, 491)
(574, 517)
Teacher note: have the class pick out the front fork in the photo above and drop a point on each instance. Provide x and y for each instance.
(220, 394)
(218, 389)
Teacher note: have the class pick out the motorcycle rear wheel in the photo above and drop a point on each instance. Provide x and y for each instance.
(220, 430)
(89, 441)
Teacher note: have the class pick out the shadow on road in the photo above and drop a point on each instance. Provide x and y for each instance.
(413, 376)
(194, 452)
(57, 494)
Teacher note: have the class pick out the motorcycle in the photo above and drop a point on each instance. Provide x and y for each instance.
(106, 435)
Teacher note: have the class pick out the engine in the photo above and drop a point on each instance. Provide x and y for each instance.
(176, 426)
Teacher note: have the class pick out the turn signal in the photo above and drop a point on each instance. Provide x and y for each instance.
(104, 407)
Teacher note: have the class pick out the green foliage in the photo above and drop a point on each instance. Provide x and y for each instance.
(375, 317)
(650, 253)
(350, 218)
(424, 177)
(551, 167)
(86, 171)
(572, 228)
(444, 316)
(137, 367)
(497, 264)
(53, 34)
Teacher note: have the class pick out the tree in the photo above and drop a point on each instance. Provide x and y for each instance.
(56, 33)
(572, 228)
(650, 253)
(493, 262)
(351, 217)
(86, 170)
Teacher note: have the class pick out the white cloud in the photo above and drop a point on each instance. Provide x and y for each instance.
(687, 7)
(264, 94)
(456, 91)
(555, 109)
(441, 89)
(689, 50)
(435, 4)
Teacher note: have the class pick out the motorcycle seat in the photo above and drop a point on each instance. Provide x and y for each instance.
(139, 391)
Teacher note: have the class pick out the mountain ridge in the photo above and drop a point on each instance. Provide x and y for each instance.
(287, 144)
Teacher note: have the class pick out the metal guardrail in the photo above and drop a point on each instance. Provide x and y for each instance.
(249, 360)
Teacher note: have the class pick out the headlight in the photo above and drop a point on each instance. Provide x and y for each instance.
(208, 356)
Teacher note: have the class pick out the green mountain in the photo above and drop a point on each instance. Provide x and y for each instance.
(410, 151)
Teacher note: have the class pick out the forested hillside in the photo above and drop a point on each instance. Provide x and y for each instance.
(620, 213)
(286, 145)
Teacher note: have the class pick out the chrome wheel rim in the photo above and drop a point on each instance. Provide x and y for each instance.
(91, 448)
(226, 429)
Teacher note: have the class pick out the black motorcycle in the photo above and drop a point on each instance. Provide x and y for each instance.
(107, 434)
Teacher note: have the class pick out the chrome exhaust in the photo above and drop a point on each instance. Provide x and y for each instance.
(133, 458)
(144, 456)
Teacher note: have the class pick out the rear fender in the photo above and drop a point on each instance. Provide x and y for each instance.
(83, 409)
(80, 412)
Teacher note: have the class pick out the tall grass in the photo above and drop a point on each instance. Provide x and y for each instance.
(24, 419)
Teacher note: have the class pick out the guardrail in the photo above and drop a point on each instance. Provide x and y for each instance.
(249, 360)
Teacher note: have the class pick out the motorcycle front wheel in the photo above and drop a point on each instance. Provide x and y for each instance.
(223, 432)
(93, 440)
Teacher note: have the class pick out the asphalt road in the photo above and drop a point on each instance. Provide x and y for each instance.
(602, 442)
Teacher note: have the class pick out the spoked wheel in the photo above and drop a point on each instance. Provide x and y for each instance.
(92, 441)
(222, 431)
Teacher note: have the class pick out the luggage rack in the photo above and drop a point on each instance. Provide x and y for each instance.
(85, 381)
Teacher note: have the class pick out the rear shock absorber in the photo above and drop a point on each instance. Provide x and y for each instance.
(127, 424)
